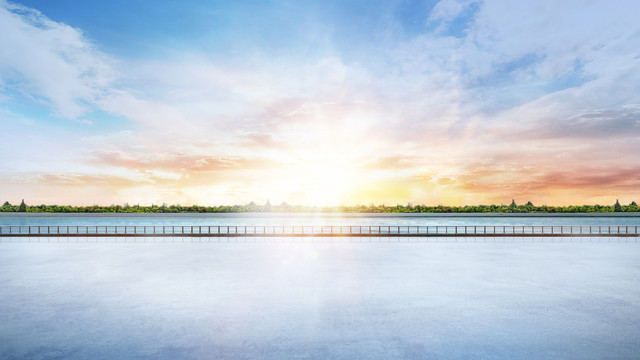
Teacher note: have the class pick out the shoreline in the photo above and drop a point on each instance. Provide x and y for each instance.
(321, 215)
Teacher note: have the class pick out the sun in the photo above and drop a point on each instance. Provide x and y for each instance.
(322, 167)
(327, 184)
(315, 180)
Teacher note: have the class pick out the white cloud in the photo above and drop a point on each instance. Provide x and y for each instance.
(150, 113)
(559, 33)
(50, 61)
(446, 11)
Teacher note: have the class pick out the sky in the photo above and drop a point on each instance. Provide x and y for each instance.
(319, 102)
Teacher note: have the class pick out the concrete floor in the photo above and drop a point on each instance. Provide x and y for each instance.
(320, 301)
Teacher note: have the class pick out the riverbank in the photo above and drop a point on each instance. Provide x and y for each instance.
(321, 215)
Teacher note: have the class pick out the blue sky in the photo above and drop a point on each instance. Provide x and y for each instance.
(150, 29)
(309, 102)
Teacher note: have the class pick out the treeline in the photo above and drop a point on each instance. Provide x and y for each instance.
(284, 208)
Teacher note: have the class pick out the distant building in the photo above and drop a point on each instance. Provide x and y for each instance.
(267, 206)
(617, 207)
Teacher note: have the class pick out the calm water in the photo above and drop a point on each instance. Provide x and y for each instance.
(319, 300)
(297, 219)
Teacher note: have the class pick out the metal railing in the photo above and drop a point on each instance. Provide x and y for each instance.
(322, 231)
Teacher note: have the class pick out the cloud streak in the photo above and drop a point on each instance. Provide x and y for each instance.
(51, 61)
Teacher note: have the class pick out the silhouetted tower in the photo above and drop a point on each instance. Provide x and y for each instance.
(617, 207)
(22, 207)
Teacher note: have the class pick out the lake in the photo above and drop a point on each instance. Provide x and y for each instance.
(337, 300)
(316, 219)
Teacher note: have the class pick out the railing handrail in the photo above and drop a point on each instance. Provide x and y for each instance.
(320, 230)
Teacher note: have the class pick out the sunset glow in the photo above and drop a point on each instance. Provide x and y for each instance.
(319, 102)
